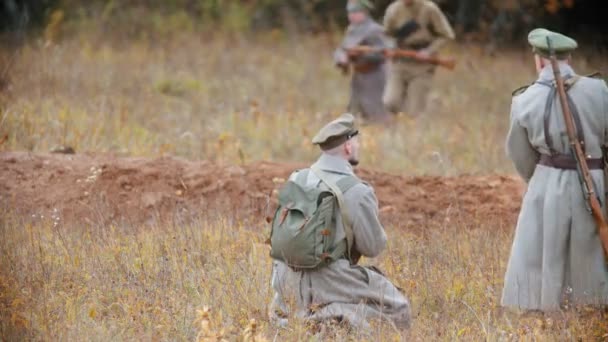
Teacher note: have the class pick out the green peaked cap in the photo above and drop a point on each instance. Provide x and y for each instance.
(336, 132)
(562, 44)
(359, 5)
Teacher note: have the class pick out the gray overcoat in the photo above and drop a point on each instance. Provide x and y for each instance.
(366, 88)
(341, 290)
(556, 252)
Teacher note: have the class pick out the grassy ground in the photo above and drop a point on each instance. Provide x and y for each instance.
(115, 283)
(234, 99)
(242, 99)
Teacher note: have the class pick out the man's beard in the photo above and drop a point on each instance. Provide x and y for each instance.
(353, 161)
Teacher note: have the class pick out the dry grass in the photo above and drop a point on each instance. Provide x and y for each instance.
(147, 283)
(241, 99)
(236, 99)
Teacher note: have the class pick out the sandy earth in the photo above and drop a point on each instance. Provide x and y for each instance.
(99, 189)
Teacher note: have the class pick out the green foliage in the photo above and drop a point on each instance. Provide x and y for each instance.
(161, 16)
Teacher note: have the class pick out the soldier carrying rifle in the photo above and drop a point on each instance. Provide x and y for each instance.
(369, 75)
(415, 25)
(559, 126)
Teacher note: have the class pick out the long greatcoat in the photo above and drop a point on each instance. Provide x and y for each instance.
(341, 290)
(366, 88)
(556, 252)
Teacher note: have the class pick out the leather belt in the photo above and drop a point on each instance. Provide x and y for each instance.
(364, 68)
(567, 162)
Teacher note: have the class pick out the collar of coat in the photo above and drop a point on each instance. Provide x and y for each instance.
(334, 164)
(546, 74)
(414, 7)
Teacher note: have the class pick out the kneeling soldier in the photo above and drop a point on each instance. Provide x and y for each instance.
(327, 219)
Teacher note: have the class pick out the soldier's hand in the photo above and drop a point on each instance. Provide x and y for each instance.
(343, 67)
(423, 54)
(352, 54)
(389, 53)
(343, 59)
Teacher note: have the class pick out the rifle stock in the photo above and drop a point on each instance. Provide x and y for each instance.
(448, 63)
(587, 185)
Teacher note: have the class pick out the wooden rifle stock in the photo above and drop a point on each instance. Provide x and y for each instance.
(587, 185)
(448, 63)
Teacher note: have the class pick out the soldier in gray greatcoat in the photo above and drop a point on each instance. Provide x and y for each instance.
(369, 74)
(556, 254)
(343, 289)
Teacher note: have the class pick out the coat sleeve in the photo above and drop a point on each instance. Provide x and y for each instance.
(340, 55)
(441, 28)
(369, 235)
(519, 149)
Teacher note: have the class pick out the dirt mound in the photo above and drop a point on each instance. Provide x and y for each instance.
(102, 189)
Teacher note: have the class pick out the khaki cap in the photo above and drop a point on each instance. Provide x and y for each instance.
(359, 5)
(336, 132)
(562, 44)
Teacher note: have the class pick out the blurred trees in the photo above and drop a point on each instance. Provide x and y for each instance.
(21, 14)
(139, 16)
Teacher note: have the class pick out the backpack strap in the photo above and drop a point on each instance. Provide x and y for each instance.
(344, 184)
(337, 191)
(347, 182)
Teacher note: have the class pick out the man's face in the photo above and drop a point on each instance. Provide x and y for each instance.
(352, 147)
(356, 17)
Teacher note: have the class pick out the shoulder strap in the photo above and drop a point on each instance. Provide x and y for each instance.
(568, 83)
(547, 118)
(348, 227)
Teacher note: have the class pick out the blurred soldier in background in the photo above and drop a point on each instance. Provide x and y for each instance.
(369, 74)
(415, 25)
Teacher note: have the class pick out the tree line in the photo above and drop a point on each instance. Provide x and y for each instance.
(583, 17)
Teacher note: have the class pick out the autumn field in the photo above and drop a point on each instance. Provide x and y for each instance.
(176, 123)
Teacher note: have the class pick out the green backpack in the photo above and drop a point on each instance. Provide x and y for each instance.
(304, 225)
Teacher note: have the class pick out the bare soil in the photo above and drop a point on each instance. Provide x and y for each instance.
(100, 189)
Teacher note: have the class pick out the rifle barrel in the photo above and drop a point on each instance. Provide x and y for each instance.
(448, 63)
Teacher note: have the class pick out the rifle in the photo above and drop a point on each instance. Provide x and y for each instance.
(448, 63)
(584, 175)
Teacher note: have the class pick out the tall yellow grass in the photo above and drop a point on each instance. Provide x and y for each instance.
(164, 282)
